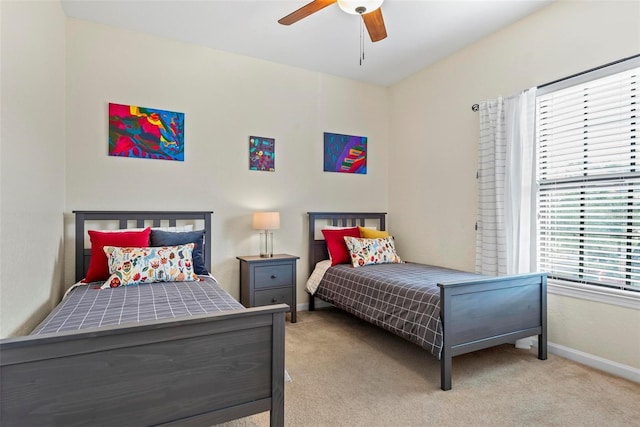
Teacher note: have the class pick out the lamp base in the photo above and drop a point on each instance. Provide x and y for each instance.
(266, 244)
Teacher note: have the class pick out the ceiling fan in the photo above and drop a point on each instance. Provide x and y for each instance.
(368, 9)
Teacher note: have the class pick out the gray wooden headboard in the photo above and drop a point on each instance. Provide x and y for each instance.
(318, 248)
(139, 219)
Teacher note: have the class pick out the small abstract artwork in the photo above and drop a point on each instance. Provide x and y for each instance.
(345, 153)
(146, 133)
(262, 154)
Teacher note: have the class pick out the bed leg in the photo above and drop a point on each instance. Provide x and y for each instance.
(542, 338)
(277, 371)
(445, 355)
(542, 346)
(445, 370)
(312, 303)
(276, 420)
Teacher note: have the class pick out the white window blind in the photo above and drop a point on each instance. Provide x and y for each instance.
(589, 182)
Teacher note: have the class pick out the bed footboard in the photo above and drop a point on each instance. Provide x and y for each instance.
(483, 313)
(197, 371)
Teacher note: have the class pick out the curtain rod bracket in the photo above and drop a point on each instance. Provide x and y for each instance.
(475, 107)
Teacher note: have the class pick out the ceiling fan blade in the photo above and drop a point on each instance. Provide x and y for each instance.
(305, 11)
(375, 25)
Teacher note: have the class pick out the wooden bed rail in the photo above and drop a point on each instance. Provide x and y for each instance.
(201, 370)
(483, 313)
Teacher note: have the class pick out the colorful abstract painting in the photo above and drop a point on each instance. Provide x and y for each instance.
(262, 154)
(345, 153)
(145, 133)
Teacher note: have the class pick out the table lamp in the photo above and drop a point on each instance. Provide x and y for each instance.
(266, 221)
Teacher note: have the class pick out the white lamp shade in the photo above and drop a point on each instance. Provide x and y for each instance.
(266, 220)
(350, 6)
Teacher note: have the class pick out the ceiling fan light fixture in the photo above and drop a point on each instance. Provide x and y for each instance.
(359, 7)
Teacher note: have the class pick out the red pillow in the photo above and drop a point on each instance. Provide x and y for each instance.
(336, 245)
(99, 266)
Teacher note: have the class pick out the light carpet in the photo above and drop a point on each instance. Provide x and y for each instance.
(346, 372)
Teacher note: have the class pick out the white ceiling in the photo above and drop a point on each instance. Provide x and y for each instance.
(420, 32)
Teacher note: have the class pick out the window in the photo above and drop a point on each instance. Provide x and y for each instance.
(589, 178)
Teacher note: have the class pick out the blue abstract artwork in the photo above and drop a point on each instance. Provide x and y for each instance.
(345, 153)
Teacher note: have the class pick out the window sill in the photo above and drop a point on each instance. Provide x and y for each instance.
(617, 297)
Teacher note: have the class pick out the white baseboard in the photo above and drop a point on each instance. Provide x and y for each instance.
(625, 371)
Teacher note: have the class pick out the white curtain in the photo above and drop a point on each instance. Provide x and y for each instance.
(505, 242)
(520, 188)
(491, 241)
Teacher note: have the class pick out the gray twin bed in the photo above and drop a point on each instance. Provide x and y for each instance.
(447, 312)
(170, 353)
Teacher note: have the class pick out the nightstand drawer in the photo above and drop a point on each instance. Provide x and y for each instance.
(270, 276)
(273, 296)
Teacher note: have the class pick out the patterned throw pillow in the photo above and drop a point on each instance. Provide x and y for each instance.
(99, 266)
(167, 238)
(372, 251)
(133, 265)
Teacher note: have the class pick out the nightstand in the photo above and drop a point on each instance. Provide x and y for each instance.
(265, 281)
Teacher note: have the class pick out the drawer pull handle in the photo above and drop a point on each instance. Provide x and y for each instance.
(273, 276)
(274, 299)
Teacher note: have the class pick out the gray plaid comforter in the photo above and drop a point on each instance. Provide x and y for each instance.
(88, 307)
(401, 298)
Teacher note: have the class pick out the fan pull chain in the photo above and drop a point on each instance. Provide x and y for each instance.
(361, 41)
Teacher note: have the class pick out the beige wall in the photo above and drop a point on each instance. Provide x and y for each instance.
(225, 98)
(578, 324)
(434, 134)
(32, 162)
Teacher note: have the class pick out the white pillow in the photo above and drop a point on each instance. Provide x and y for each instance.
(174, 229)
(335, 227)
